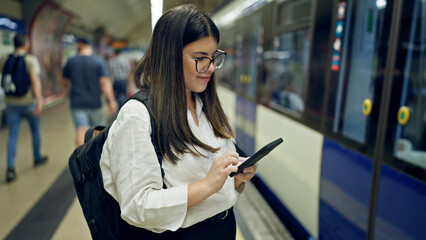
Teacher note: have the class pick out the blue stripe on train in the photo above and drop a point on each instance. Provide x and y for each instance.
(401, 206)
(344, 192)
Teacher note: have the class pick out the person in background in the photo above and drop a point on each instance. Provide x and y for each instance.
(29, 105)
(194, 137)
(119, 69)
(85, 76)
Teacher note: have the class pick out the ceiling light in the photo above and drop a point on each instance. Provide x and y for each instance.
(156, 11)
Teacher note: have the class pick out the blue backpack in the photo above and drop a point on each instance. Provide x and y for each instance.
(15, 80)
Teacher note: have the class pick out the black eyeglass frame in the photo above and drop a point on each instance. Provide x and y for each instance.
(221, 52)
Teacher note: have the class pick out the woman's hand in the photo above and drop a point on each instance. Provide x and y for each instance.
(215, 179)
(247, 174)
(220, 170)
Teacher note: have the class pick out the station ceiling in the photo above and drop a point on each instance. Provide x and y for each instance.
(125, 19)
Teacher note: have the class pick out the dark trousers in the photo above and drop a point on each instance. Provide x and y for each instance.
(111, 226)
(225, 229)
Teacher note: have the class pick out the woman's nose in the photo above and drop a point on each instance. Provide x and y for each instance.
(212, 67)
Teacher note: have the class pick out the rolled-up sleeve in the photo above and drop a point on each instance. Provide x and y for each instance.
(132, 174)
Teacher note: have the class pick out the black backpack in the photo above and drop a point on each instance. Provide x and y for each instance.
(100, 209)
(15, 78)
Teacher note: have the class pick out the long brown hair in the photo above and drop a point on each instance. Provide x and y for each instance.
(161, 71)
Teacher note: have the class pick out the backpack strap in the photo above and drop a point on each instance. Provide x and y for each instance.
(92, 132)
(143, 97)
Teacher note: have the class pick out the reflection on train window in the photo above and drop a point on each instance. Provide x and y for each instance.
(410, 133)
(285, 71)
(248, 52)
(292, 12)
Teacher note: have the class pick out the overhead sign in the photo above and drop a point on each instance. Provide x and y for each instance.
(11, 24)
(118, 44)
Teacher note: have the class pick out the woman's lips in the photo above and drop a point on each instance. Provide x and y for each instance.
(206, 79)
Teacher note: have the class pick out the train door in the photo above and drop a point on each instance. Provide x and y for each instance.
(359, 53)
(398, 206)
(376, 68)
(358, 48)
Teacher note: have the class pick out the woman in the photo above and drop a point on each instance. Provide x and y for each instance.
(194, 136)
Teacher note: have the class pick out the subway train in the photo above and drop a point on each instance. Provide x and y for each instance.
(344, 84)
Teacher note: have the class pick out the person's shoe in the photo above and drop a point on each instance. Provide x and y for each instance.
(41, 161)
(10, 175)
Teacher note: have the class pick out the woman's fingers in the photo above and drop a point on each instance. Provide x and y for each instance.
(230, 157)
(241, 160)
(247, 174)
(251, 169)
(229, 161)
(221, 168)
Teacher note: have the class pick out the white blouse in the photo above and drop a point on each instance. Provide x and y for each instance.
(132, 175)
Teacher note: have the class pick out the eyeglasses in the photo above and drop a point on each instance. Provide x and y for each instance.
(202, 64)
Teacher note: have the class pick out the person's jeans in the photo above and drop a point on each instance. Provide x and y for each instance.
(120, 90)
(14, 114)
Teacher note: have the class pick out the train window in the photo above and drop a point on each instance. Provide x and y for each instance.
(285, 66)
(285, 71)
(248, 47)
(408, 98)
(291, 12)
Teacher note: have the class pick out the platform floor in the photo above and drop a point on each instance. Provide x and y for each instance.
(41, 203)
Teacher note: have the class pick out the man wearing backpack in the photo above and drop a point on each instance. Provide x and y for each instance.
(22, 85)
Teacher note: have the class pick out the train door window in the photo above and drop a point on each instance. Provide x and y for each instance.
(406, 130)
(359, 58)
(286, 65)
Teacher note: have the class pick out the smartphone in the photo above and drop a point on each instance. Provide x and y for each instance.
(258, 155)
